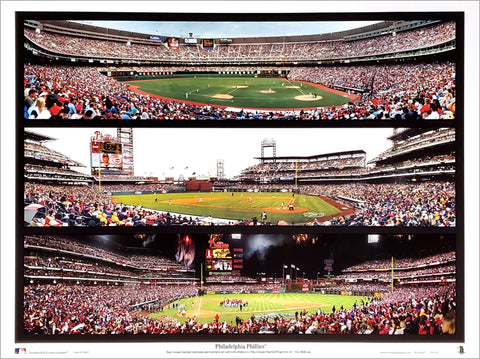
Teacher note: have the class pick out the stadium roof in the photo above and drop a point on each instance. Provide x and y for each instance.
(405, 133)
(355, 152)
(89, 28)
(30, 135)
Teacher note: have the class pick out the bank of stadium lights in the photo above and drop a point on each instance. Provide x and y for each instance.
(303, 238)
(373, 238)
(408, 237)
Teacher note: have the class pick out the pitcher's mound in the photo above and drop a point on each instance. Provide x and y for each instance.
(223, 96)
(308, 98)
(285, 209)
(267, 91)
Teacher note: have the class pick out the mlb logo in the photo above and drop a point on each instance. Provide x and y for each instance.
(20, 350)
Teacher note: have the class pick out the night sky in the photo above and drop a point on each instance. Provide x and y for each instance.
(267, 253)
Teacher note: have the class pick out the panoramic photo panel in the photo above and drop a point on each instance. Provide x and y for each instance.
(250, 177)
(240, 70)
(240, 284)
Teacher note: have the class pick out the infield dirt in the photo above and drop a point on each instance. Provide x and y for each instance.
(223, 96)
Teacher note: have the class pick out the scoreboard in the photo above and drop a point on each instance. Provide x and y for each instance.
(222, 257)
(207, 44)
(111, 147)
(110, 154)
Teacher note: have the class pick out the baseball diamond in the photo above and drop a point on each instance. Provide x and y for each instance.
(242, 92)
(205, 308)
(237, 206)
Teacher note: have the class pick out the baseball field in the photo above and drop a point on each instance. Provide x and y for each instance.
(206, 307)
(242, 92)
(277, 206)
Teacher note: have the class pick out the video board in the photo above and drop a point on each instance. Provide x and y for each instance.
(207, 43)
(223, 257)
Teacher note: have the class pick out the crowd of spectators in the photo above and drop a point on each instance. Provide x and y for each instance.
(414, 39)
(422, 161)
(430, 272)
(229, 278)
(153, 187)
(44, 262)
(87, 206)
(423, 140)
(99, 309)
(406, 91)
(355, 166)
(84, 93)
(92, 252)
(405, 204)
(241, 287)
(326, 167)
(39, 151)
(404, 263)
(53, 170)
(76, 309)
(389, 204)
(371, 287)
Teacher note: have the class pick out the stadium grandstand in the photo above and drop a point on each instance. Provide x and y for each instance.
(48, 166)
(139, 284)
(421, 162)
(388, 70)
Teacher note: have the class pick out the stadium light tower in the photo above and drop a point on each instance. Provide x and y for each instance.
(220, 169)
(269, 143)
(125, 135)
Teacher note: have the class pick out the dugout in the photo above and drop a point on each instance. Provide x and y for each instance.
(198, 186)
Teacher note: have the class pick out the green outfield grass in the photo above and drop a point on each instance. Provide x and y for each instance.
(235, 206)
(244, 92)
(205, 308)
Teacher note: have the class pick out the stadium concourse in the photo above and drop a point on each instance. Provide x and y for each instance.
(104, 291)
(389, 84)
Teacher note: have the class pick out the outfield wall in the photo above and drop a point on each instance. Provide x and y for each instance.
(214, 189)
(258, 291)
(357, 293)
(179, 75)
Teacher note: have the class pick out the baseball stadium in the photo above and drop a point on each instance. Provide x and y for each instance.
(388, 70)
(236, 284)
(410, 183)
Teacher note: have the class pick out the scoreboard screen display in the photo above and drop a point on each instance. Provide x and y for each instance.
(110, 147)
(223, 255)
(207, 43)
(222, 265)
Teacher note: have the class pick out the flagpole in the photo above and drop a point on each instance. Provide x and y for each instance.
(201, 278)
(296, 174)
(392, 274)
(99, 179)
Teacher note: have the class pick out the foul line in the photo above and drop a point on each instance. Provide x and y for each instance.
(199, 306)
(298, 89)
(235, 89)
(270, 310)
